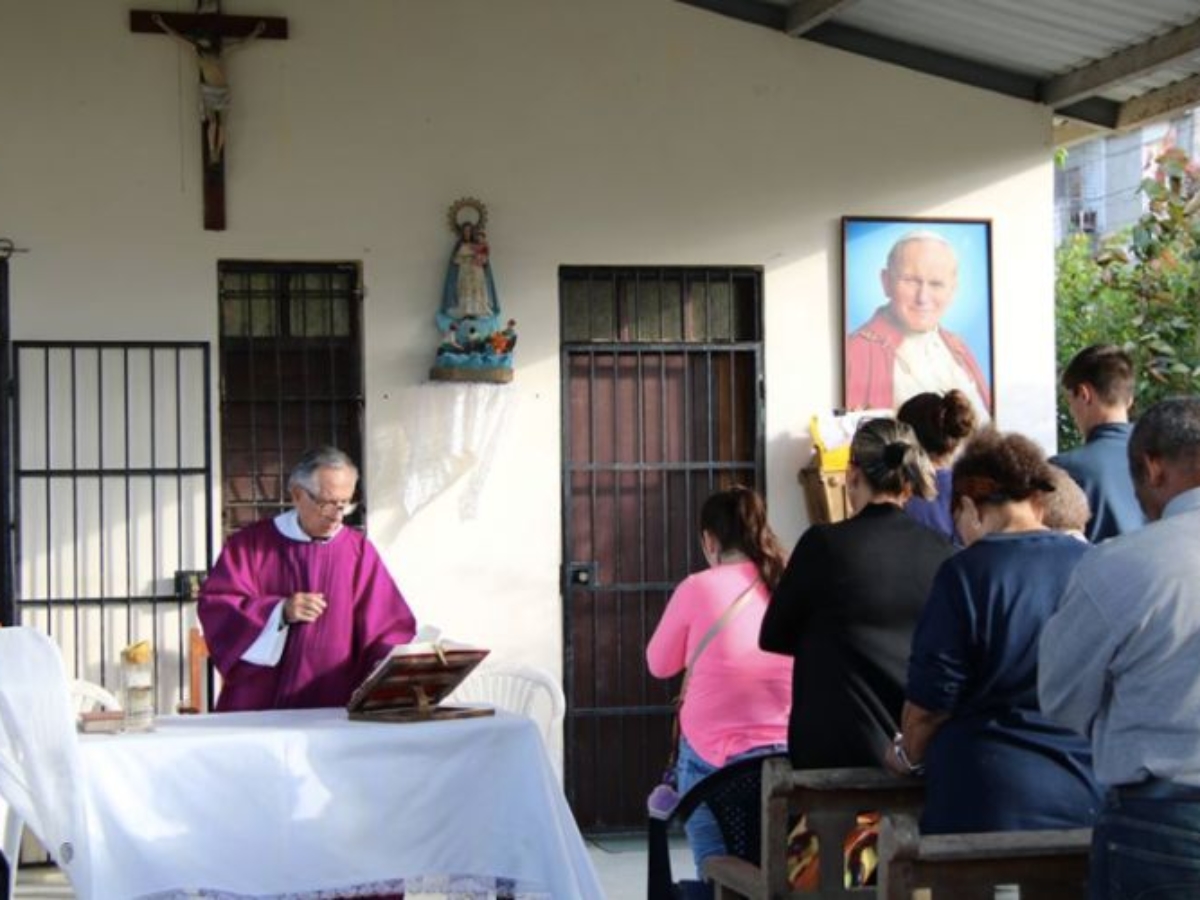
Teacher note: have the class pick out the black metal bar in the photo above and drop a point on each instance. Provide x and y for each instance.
(102, 532)
(7, 408)
(46, 500)
(285, 299)
(128, 494)
(180, 631)
(11, 537)
(73, 399)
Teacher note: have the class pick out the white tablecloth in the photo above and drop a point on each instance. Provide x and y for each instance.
(297, 802)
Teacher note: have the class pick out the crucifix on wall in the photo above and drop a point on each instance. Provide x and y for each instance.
(210, 36)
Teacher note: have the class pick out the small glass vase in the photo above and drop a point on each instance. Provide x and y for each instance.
(137, 688)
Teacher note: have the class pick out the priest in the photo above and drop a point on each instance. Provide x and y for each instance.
(299, 608)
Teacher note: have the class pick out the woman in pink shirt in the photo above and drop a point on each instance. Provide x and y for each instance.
(738, 697)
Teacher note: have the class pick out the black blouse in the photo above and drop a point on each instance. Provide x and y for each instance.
(846, 609)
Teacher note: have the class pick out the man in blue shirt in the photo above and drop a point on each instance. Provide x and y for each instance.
(1118, 662)
(1099, 386)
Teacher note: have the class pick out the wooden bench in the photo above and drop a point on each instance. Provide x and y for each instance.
(831, 799)
(1046, 865)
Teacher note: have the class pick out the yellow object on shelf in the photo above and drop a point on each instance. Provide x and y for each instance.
(829, 458)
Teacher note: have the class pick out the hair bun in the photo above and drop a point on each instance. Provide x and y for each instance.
(895, 453)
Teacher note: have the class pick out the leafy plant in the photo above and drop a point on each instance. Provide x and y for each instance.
(1140, 289)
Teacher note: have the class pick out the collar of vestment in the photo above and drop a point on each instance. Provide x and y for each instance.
(288, 524)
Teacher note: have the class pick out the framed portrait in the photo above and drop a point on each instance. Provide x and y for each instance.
(917, 310)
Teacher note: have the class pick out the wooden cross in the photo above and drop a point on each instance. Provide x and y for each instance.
(207, 33)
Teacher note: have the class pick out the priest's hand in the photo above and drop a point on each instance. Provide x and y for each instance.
(303, 607)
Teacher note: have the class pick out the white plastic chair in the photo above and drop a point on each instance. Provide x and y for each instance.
(87, 696)
(526, 690)
(39, 757)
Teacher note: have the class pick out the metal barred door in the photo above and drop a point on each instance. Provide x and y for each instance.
(112, 500)
(662, 404)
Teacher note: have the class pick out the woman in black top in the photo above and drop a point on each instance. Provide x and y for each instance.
(848, 602)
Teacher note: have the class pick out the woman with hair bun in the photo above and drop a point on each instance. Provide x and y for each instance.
(942, 422)
(848, 601)
(972, 720)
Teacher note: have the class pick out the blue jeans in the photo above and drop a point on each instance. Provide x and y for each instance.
(703, 832)
(1146, 849)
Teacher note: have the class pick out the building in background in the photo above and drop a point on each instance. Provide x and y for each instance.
(1096, 190)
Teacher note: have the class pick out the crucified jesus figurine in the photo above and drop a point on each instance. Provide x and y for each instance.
(214, 86)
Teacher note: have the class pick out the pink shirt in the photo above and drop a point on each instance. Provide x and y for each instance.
(739, 696)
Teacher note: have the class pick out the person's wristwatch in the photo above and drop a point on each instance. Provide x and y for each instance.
(902, 756)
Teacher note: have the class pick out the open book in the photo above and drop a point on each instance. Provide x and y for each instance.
(409, 684)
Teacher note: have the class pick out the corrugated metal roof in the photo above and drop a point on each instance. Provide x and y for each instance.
(1086, 58)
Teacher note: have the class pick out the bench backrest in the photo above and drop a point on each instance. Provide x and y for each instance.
(831, 799)
(1046, 865)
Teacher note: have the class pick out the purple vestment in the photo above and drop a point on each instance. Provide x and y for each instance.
(324, 660)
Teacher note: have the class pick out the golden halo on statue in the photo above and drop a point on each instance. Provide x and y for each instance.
(476, 214)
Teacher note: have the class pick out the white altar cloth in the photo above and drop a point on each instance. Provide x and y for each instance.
(306, 801)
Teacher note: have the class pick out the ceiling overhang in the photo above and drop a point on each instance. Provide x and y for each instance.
(1076, 95)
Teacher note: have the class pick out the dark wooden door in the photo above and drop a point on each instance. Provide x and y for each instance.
(662, 404)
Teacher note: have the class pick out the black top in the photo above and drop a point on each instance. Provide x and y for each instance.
(846, 609)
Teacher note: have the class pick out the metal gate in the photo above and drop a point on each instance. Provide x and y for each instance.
(662, 404)
(112, 499)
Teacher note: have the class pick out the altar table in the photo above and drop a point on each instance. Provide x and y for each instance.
(307, 803)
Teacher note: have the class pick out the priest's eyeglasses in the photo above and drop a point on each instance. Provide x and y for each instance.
(331, 507)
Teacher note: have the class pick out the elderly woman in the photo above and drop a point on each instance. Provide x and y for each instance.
(993, 762)
(848, 602)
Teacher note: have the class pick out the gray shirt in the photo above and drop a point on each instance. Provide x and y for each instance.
(1120, 659)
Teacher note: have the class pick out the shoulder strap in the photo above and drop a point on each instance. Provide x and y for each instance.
(714, 629)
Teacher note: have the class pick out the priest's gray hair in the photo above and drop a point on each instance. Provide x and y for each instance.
(304, 475)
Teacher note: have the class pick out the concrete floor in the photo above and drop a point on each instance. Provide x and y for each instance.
(620, 862)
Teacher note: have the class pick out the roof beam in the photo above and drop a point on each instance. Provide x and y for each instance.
(1160, 103)
(1122, 66)
(922, 59)
(756, 12)
(1095, 110)
(804, 15)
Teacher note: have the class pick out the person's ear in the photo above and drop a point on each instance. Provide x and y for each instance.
(1154, 471)
(885, 279)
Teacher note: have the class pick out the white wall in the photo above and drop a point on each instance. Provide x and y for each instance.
(628, 131)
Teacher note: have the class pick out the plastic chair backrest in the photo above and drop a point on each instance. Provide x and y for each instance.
(40, 770)
(526, 690)
(87, 696)
(734, 795)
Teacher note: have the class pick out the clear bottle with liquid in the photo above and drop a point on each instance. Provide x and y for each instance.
(137, 689)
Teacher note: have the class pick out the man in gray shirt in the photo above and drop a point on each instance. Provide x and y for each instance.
(1120, 662)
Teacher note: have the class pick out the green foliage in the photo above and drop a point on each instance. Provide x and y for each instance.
(1140, 289)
